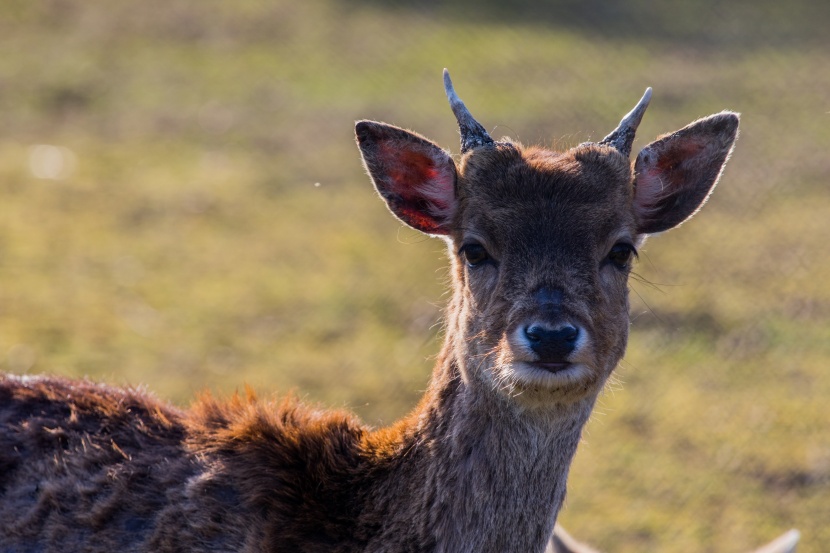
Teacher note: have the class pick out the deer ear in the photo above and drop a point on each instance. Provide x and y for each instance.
(414, 176)
(674, 175)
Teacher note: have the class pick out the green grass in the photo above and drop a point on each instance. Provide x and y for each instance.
(213, 227)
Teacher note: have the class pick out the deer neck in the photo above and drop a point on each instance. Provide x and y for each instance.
(471, 471)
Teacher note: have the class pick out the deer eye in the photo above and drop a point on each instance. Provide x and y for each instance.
(620, 255)
(475, 254)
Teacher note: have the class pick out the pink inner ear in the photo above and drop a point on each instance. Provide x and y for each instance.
(660, 176)
(409, 167)
(649, 187)
(424, 189)
(678, 153)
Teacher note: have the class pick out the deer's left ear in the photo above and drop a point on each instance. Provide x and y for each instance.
(674, 175)
(414, 176)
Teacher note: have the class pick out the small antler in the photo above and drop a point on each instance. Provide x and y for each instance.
(473, 134)
(623, 136)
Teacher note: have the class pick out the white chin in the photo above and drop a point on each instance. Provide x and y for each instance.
(534, 386)
(533, 375)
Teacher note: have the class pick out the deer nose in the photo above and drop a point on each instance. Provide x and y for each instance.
(551, 344)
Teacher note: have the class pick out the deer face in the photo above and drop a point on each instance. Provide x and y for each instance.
(542, 242)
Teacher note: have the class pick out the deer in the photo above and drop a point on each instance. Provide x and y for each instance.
(563, 542)
(540, 245)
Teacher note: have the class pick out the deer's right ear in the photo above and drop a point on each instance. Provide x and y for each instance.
(414, 176)
(675, 174)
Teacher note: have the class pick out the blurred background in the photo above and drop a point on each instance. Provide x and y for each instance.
(182, 207)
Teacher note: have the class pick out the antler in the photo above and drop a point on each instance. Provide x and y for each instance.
(473, 134)
(623, 136)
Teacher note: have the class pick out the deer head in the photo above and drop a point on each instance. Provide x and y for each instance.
(542, 242)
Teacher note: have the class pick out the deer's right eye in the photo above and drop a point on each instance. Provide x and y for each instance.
(621, 255)
(475, 254)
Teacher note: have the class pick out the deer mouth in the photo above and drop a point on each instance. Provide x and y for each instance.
(553, 367)
(540, 382)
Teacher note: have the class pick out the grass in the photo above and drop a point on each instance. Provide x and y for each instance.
(202, 221)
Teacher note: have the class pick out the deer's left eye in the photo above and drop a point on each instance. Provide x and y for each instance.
(475, 254)
(621, 254)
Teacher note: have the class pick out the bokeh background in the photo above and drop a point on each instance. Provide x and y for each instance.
(182, 207)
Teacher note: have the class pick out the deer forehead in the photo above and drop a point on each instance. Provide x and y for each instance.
(513, 195)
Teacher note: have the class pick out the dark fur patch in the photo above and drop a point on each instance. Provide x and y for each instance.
(109, 467)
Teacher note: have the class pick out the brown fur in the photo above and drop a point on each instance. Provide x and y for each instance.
(480, 465)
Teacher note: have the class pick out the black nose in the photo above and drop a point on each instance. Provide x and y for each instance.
(552, 345)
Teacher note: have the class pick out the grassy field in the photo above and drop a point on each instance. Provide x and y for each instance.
(183, 207)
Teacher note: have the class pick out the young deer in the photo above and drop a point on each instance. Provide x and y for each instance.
(541, 245)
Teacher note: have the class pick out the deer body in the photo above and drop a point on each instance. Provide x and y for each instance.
(540, 244)
(92, 466)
